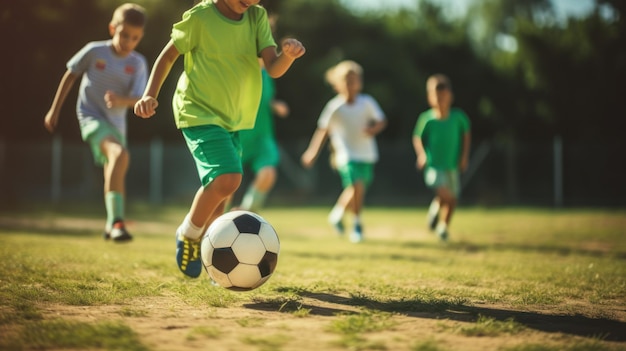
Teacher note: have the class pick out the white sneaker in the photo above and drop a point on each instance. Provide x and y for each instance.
(357, 234)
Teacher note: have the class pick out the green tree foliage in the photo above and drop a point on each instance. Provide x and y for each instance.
(516, 69)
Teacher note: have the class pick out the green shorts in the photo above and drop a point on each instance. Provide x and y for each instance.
(94, 131)
(436, 179)
(215, 151)
(355, 172)
(263, 153)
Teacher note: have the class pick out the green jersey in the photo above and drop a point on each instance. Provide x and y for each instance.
(221, 81)
(442, 138)
(264, 127)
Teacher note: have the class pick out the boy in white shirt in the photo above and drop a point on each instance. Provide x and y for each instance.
(351, 120)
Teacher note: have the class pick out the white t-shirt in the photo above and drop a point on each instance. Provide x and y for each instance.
(346, 124)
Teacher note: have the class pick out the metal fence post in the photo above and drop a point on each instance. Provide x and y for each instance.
(558, 171)
(56, 167)
(156, 170)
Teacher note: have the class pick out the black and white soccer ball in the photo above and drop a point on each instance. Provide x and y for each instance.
(240, 250)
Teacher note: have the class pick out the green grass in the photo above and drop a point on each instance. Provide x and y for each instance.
(509, 279)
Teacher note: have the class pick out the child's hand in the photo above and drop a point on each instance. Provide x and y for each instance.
(50, 121)
(308, 158)
(463, 164)
(280, 108)
(146, 106)
(421, 161)
(111, 99)
(373, 128)
(292, 48)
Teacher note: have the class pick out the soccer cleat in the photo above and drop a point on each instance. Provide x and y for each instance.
(118, 233)
(339, 228)
(357, 234)
(188, 256)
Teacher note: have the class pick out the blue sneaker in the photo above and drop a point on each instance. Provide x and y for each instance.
(188, 256)
(357, 234)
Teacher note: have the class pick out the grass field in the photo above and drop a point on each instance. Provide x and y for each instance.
(510, 279)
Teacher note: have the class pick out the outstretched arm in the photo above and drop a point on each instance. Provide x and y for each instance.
(420, 152)
(376, 127)
(464, 162)
(114, 100)
(277, 64)
(147, 105)
(317, 141)
(52, 117)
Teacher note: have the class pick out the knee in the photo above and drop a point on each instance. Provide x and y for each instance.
(226, 184)
(266, 175)
(117, 152)
(446, 197)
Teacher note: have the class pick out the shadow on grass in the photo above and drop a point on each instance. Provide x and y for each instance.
(432, 308)
(38, 229)
(469, 247)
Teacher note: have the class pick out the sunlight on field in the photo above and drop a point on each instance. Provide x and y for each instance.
(509, 279)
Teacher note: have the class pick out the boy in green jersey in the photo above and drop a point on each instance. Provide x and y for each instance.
(217, 95)
(441, 139)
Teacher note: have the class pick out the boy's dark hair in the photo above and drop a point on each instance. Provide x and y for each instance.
(131, 14)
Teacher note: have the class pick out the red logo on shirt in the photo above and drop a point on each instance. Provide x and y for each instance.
(129, 69)
(101, 64)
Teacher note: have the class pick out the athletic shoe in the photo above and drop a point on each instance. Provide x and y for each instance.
(432, 221)
(357, 234)
(188, 256)
(339, 228)
(118, 233)
(443, 235)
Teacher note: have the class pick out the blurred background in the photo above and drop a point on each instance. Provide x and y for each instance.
(542, 81)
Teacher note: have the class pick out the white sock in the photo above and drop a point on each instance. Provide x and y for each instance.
(253, 199)
(336, 214)
(434, 208)
(357, 219)
(442, 227)
(188, 229)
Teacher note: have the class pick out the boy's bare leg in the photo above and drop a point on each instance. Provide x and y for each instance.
(114, 171)
(447, 203)
(265, 179)
(207, 205)
(254, 198)
(344, 202)
(357, 206)
(116, 167)
(432, 216)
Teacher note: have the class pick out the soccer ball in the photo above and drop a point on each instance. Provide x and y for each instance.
(240, 250)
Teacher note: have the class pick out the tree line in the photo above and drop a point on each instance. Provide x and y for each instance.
(518, 71)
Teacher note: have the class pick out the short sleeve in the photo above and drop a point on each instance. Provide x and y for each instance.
(141, 77)
(182, 33)
(79, 63)
(464, 120)
(420, 125)
(264, 36)
(327, 113)
(374, 109)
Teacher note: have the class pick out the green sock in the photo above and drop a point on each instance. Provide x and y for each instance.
(114, 203)
(253, 199)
